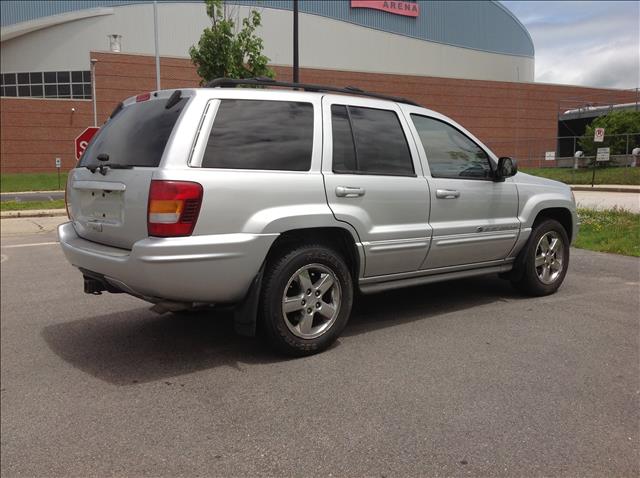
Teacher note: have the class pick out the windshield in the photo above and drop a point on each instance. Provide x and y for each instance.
(136, 135)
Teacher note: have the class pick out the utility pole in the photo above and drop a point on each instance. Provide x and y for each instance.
(296, 68)
(155, 34)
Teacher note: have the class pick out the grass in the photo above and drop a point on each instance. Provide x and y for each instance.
(18, 182)
(25, 205)
(613, 230)
(583, 176)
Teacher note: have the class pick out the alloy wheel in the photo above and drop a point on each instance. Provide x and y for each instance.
(311, 301)
(549, 257)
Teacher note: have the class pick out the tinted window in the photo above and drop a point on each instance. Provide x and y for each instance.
(450, 153)
(137, 135)
(380, 144)
(344, 153)
(250, 134)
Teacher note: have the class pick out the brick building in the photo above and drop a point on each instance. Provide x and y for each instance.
(472, 61)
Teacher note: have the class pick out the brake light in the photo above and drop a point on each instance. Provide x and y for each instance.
(143, 97)
(173, 208)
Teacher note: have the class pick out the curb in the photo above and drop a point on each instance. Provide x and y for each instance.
(33, 213)
(10, 193)
(608, 189)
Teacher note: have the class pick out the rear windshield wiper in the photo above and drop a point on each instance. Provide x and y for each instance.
(104, 167)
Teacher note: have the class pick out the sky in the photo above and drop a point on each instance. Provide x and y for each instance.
(584, 43)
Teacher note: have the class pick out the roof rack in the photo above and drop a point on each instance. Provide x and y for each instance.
(263, 81)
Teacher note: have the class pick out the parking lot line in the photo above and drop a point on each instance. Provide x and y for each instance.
(14, 246)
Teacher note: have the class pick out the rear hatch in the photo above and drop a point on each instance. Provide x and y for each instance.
(108, 191)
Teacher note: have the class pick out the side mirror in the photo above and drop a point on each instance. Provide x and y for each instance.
(507, 167)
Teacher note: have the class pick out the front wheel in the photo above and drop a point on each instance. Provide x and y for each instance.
(545, 260)
(306, 300)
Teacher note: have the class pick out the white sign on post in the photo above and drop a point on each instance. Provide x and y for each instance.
(598, 136)
(58, 163)
(549, 155)
(603, 154)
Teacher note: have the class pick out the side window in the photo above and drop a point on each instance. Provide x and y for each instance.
(450, 153)
(258, 134)
(344, 151)
(380, 145)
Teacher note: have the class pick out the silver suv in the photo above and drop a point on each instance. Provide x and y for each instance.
(286, 202)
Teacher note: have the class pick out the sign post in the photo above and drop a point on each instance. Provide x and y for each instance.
(598, 137)
(83, 139)
(58, 166)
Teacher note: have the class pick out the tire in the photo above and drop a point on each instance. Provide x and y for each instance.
(305, 300)
(544, 261)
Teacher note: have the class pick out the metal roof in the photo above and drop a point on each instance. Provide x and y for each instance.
(479, 25)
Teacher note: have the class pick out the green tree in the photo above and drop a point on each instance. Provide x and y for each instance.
(616, 122)
(226, 51)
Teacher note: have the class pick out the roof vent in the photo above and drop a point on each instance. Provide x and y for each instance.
(115, 42)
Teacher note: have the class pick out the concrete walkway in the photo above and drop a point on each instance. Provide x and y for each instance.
(611, 188)
(608, 200)
(32, 196)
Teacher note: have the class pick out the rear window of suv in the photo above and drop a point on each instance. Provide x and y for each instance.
(136, 135)
(260, 134)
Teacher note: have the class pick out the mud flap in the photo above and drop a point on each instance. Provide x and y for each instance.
(245, 314)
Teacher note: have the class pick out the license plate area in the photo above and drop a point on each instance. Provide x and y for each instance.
(103, 206)
(100, 205)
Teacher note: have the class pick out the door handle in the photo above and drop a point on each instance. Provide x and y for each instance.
(349, 192)
(447, 193)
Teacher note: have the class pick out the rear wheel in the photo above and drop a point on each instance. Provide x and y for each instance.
(306, 300)
(545, 259)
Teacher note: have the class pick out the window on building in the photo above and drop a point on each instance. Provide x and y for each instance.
(450, 153)
(256, 134)
(380, 145)
(47, 84)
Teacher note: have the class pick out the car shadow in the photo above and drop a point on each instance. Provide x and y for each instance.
(395, 307)
(138, 346)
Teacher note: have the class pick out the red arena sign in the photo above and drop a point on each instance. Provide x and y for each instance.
(408, 9)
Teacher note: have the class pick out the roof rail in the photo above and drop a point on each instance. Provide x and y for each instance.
(263, 81)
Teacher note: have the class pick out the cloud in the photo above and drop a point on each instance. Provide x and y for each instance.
(584, 43)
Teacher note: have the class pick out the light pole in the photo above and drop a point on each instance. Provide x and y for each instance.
(296, 72)
(155, 34)
(93, 90)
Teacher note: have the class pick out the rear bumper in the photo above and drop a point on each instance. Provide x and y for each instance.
(211, 269)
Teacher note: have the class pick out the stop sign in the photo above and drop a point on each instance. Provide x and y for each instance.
(83, 140)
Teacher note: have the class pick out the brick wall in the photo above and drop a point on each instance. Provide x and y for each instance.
(517, 119)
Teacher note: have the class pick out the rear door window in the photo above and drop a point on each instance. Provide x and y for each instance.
(380, 144)
(260, 134)
(136, 135)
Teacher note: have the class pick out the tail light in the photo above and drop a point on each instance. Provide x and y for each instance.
(173, 208)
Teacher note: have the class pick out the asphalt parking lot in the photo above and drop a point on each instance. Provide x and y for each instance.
(463, 378)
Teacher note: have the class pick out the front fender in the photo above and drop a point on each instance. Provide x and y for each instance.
(533, 201)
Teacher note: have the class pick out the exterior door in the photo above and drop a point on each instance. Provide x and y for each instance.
(474, 219)
(374, 182)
